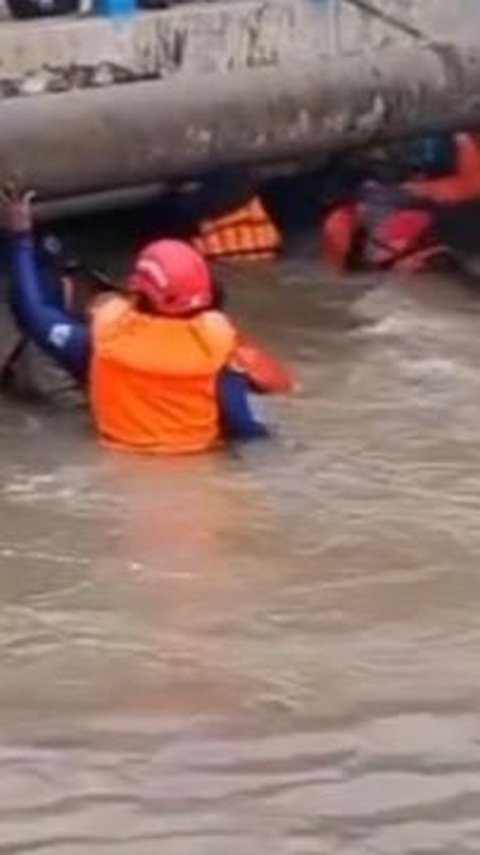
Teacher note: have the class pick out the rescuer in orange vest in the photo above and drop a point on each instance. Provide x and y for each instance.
(164, 370)
(460, 183)
(393, 221)
(385, 228)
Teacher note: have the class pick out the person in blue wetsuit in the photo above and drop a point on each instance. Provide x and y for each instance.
(38, 307)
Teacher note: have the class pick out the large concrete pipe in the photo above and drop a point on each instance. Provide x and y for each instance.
(95, 140)
(106, 200)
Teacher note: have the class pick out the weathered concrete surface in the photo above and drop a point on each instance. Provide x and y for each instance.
(223, 82)
(211, 38)
(365, 25)
(60, 54)
(139, 133)
(436, 19)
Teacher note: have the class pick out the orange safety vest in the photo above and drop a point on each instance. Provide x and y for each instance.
(245, 233)
(153, 379)
(463, 184)
(403, 240)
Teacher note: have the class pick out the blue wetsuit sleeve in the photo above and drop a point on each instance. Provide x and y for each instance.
(60, 335)
(237, 419)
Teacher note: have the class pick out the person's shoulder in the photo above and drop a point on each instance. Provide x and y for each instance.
(219, 326)
(107, 309)
(217, 320)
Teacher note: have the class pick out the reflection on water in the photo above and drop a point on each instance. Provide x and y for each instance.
(270, 650)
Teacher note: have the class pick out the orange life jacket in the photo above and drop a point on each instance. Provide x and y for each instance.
(245, 233)
(153, 379)
(403, 240)
(463, 184)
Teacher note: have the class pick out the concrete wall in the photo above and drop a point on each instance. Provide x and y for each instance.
(205, 38)
(438, 18)
(239, 81)
(195, 39)
(434, 19)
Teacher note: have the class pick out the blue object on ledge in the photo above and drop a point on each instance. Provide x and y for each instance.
(115, 8)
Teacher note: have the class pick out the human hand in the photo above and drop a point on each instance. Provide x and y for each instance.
(16, 208)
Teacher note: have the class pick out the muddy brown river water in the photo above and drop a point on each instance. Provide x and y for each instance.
(270, 651)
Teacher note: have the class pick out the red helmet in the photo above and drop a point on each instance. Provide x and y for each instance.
(173, 277)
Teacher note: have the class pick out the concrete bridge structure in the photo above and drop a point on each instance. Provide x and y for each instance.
(92, 104)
